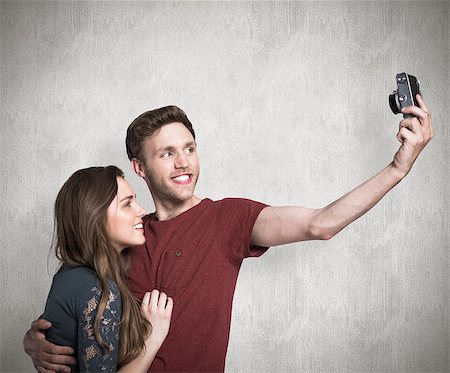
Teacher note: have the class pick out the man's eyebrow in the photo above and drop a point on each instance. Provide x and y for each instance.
(172, 147)
(163, 148)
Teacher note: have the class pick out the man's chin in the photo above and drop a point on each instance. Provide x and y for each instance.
(176, 197)
(184, 197)
(184, 192)
(174, 194)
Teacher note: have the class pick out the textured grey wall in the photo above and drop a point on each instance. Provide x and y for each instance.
(289, 101)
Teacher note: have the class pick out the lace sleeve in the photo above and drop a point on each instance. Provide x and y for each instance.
(91, 356)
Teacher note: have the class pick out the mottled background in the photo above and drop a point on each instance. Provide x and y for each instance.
(289, 101)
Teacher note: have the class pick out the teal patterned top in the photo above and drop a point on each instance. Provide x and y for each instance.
(71, 308)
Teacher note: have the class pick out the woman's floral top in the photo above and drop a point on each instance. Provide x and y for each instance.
(71, 307)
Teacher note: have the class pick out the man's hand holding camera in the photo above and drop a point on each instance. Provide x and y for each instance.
(414, 133)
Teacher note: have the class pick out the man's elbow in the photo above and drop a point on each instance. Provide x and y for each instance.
(321, 233)
(327, 236)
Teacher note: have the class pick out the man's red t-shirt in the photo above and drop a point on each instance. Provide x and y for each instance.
(195, 259)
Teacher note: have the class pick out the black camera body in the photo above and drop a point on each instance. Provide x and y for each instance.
(407, 88)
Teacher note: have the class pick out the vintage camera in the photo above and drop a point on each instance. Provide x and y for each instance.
(407, 88)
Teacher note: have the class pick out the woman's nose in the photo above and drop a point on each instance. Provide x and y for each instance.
(140, 211)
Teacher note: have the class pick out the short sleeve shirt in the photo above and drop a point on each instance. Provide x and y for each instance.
(195, 258)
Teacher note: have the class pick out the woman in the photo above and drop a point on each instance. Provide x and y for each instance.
(89, 305)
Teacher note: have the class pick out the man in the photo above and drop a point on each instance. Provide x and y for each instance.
(194, 247)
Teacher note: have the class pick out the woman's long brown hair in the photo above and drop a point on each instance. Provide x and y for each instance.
(81, 239)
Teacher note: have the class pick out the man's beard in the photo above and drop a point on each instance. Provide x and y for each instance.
(165, 192)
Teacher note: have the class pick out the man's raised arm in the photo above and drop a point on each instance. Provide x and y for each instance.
(282, 225)
(46, 356)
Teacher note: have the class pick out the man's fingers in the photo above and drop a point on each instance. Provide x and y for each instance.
(412, 124)
(420, 128)
(61, 352)
(402, 134)
(48, 357)
(51, 356)
(50, 367)
(408, 136)
(43, 370)
(426, 121)
(40, 324)
(414, 111)
(28, 342)
(55, 352)
(37, 347)
(421, 113)
(421, 103)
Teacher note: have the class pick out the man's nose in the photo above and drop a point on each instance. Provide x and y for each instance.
(181, 161)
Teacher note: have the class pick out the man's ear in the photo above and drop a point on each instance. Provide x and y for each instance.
(137, 168)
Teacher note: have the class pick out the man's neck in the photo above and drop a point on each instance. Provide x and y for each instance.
(166, 210)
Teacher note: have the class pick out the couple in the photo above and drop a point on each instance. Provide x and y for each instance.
(192, 251)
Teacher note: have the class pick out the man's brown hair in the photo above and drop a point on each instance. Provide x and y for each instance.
(146, 124)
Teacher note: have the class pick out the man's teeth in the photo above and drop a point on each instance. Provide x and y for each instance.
(181, 178)
(138, 226)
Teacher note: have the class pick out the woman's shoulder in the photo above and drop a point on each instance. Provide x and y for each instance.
(71, 273)
(75, 280)
(79, 279)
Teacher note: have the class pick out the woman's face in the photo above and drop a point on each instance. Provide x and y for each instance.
(124, 218)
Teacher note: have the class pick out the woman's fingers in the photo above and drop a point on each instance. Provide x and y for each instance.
(146, 299)
(156, 302)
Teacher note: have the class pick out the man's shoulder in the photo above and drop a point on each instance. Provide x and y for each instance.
(231, 209)
(233, 201)
(238, 202)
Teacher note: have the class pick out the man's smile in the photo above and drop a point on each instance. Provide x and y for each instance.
(182, 179)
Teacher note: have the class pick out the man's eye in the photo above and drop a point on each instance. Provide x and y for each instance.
(189, 150)
(166, 155)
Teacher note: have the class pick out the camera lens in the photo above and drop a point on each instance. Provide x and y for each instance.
(394, 103)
